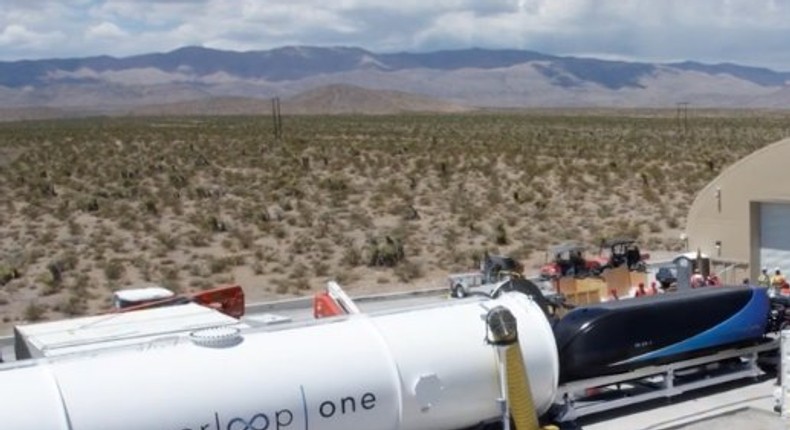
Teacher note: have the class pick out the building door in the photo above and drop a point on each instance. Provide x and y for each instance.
(775, 236)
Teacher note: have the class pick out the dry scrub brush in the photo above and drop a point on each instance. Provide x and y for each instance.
(190, 202)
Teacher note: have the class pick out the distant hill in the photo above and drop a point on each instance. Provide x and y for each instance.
(333, 78)
(326, 100)
(347, 99)
(209, 106)
(33, 113)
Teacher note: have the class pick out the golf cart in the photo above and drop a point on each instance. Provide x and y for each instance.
(624, 251)
(568, 260)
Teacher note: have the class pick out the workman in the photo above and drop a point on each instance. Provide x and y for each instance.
(641, 290)
(777, 281)
(653, 290)
(764, 280)
(697, 280)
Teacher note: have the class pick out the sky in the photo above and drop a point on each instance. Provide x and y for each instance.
(749, 32)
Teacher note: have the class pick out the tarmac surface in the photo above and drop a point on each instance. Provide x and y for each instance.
(744, 404)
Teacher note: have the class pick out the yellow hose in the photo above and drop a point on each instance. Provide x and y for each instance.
(522, 409)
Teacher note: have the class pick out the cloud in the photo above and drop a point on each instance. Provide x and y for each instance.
(105, 30)
(141, 76)
(151, 14)
(17, 36)
(745, 31)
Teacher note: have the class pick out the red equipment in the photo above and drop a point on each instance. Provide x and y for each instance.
(228, 299)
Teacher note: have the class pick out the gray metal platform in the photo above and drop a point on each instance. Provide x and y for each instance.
(737, 405)
(601, 394)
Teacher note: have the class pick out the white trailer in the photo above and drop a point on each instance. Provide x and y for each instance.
(422, 368)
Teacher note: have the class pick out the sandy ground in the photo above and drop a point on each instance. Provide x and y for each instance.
(88, 207)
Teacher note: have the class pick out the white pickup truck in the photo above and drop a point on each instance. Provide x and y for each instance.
(464, 284)
(493, 270)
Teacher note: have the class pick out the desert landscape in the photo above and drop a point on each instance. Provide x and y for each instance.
(378, 203)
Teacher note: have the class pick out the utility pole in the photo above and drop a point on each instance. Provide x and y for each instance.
(277, 119)
(682, 116)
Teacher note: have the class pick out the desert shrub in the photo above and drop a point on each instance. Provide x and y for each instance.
(51, 284)
(151, 207)
(168, 240)
(72, 306)
(81, 284)
(523, 252)
(337, 176)
(34, 312)
(114, 269)
(223, 264)
(47, 237)
(409, 271)
(386, 252)
(170, 273)
(500, 234)
(301, 284)
(174, 285)
(75, 228)
(8, 273)
(201, 284)
(281, 287)
(245, 237)
(219, 264)
(654, 227)
(302, 244)
(320, 269)
(352, 256)
(198, 239)
(280, 232)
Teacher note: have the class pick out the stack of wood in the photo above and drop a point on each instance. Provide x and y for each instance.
(613, 282)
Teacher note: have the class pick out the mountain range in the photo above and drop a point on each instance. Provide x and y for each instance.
(344, 79)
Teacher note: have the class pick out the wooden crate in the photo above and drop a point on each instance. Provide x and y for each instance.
(584, 291)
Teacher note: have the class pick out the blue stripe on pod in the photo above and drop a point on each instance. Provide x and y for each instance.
(748, 323)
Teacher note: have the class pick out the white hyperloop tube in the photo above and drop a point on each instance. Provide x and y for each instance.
(428, 368)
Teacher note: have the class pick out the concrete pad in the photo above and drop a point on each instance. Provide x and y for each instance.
(738, 405)
(746, 418)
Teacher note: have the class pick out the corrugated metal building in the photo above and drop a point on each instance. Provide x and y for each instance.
(743, 215)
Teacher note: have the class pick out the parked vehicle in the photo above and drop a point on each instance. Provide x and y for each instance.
(493, 270)
(623, 251)
(666, 277)
(228, 299)
(568, 260)
(132, 297)
(779, 317)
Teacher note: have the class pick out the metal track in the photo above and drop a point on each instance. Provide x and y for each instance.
(574, 399)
